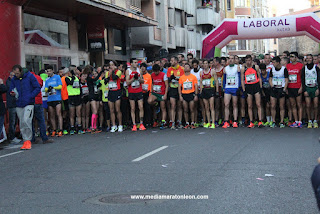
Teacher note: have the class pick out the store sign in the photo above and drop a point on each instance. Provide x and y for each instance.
(95, 31)
(193, 51)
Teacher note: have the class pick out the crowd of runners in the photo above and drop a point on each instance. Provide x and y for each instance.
(172, 93)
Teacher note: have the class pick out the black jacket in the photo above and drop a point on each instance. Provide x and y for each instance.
(3, 89)
(11, 101)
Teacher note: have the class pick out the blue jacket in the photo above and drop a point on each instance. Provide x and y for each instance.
(27, 87)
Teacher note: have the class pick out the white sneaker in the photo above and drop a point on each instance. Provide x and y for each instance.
(15, 140)
(113, 129)
(120, 128)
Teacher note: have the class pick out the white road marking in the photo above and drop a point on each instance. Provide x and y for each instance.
(12, 147)
(201, 133)
(149, 154)
(13, 153)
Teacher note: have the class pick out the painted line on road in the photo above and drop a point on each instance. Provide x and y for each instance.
(13, 153)
(149, 154)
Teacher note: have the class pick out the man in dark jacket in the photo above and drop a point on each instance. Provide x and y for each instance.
(24, 87)
(11, 106)
(3, 89)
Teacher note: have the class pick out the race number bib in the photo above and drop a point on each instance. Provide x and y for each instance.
(135, 84)
(206, 83)
(85, 90)
(251, 78)
(311, 81)
(76, 84)
(95, 89)
(187, 86)
(277, 82)
(106, 92)
(220, 81)
(265, 85)
(157, 88)
(293, 78)
(145, 87)
(113, 85)
(231, 80)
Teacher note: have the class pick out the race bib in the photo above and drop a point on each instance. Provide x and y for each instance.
(135, 84)
(206, 82)
(157, 88)
(187, 86)
(44, 94)
(145, 87)
(277, 82)
(113, 85)
(265, 85)
(251, 78)
(53, 92)
(293, 78)
(231, 80)
(311, 81)
(95, 89)
(85, 90)
(76, 84)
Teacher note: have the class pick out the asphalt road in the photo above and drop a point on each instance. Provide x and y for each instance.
(68, 175)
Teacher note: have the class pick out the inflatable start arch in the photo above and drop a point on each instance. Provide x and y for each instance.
(260, 28)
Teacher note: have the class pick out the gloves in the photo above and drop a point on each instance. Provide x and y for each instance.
(50, 88)
(73, 78)
(136, 76)
(114, 76)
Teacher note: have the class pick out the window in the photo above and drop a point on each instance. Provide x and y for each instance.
(242, 44)
(119, 42)
(241, 3)
(228, 4)
(45, 31)
(135, 3)
(158, 13)
(178, 18)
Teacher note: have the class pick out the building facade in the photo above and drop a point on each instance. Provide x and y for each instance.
(182, 24)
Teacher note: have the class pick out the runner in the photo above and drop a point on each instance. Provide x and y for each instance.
(173, 74)
(278, 82)
(53, 86)
(64, 96)
(218, 68)
(85, 104)
(310, 82)
(209, 87)
(251, 86)
(295, 89)
(266, 91)
(105, 92)
(146, 87)
(188, 88)
(114, 96)
(159, 91)
(134, 81)
(73, 87)
(231, 85)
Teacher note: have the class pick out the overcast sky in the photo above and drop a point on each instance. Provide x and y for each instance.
(283, 6)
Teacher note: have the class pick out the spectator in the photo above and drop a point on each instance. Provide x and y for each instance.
(24, 87)
(11, 106)
(3, 89)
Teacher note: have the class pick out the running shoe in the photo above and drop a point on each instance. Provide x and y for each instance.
(216, 124)
(192, 126)
(134, 128)
(294, 125)
(65, 132)
(53, 134)
(142, 128)
(300, 125)
(60, 134)
(120, 128)
(273, 125)
(220, 122)
(173, 126)
(47, 133)
(155, 124)
(163, 125)
(251, 125)
(235, 125)
(255, 123)
(290, 123)
(206, 125)
(286, 120)
(179, 126)
(114, 129)
(187, 126)
(226, 125)
(213, 126)
(197, 125)
(108, 129)
(260, 125)
(71, 132)
(138, 125)
(26, 145)
(88, 130)
(170, 124)
(315, 125)
(97, 131)
(310, 125)
(282, 125)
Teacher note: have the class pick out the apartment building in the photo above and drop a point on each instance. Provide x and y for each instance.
(243, 9)
(182, 24)
(64, 32)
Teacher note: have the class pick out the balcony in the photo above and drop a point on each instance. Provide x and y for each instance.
(207, 15)
(180, 36)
